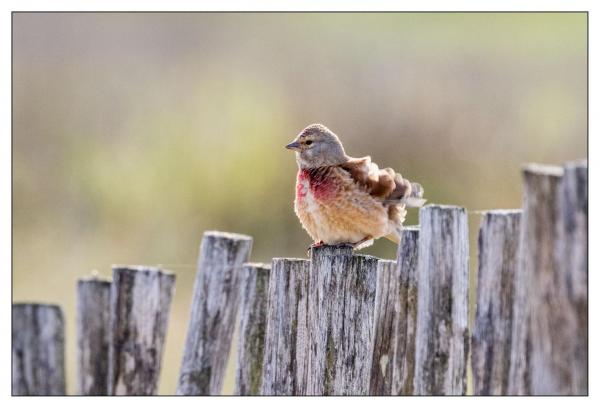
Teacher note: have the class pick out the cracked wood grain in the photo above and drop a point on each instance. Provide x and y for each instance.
(285, 359)
(93, 339)
(140, 303)
(536, 247)
(253, 321)
(341, 301)
(555, 242)
(442, 340)
(38, 355)
(405, 330)
(213, 312)
(491, 339)
(572, 372)
(386, 300)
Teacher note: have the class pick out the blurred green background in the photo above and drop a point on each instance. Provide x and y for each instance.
(134, 133)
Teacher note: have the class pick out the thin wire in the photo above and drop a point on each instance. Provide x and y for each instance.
(180, 266)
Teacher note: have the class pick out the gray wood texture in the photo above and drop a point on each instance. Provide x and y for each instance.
(285, 359)
(93, 336)
(405, 329)
(140, 303)
(573, 204)
(386, 300)
(491, 339)
(443, 282)
(557, 249)
(38, 350)
(213, 312)
(536, 253)
(341, 302)
(253, 326)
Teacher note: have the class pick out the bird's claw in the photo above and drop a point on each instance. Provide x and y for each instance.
(315, 245)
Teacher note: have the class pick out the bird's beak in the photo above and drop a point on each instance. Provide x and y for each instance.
(293, 146)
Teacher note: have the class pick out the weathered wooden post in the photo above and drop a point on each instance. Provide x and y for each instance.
(405, 330)
(536, 253)
(386, 311)
(212, 317)
(253, 326)
(491, 339)
(573, 204)
(285, 358)
(341, 301)
(443, 280)
(393, 365)
(553, 259)
(38, 362)
(140, 302)
(93, 337)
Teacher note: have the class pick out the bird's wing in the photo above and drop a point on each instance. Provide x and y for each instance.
(384, 184)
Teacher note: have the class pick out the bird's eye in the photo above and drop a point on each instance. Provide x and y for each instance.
(308, 142)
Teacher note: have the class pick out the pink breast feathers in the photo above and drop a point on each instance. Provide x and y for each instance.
(301, 185)
(318, 181)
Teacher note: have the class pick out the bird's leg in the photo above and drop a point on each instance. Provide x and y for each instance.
(355, 245)
(315, 245)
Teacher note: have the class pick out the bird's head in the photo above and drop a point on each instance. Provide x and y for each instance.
(317, 146)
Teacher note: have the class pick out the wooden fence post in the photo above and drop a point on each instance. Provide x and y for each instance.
(382, 346)
(405, 330)
(490, 343)
(573, 204)
(38, 361)
(253, 322)
(93, 338)
(536, 252)
(213, 312)
(341, 301)
(140, 302)
(442, 340)
(285, 359)
(553, 240)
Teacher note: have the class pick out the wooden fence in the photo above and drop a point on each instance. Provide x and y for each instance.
(347, 324)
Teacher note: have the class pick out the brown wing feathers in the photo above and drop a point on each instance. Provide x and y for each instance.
(385, 184)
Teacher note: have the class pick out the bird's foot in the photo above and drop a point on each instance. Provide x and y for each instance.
(315, 245)
(365, 242)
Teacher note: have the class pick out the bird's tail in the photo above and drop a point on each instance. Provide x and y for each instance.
(415, 199)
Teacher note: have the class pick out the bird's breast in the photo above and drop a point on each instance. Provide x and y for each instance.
(315, 185)
(333, 208)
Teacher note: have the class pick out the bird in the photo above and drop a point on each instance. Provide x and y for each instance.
(345, 200)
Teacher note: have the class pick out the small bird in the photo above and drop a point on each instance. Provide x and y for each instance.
(346, 200)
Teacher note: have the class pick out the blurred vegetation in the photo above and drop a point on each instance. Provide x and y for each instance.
(134, 133)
